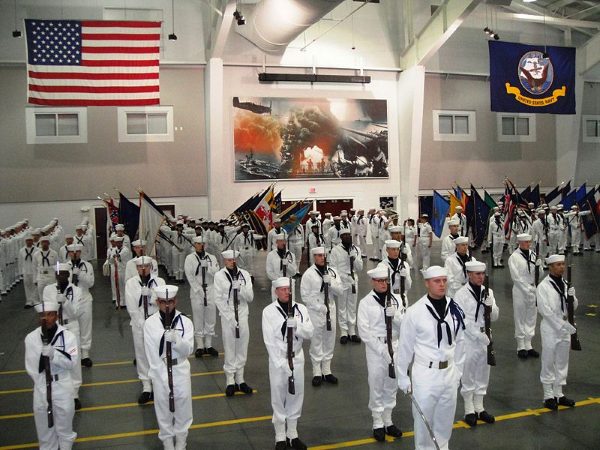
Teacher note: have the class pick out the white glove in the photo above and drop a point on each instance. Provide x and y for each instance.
(75, 270)
(489, 301)
(403, 272)
(61, 298)
(203, 263)
(235, 284)
(172, 336)
(322, 309)
(327, 278)
(386, 356)
(404, 384)
(532, 290)
(538, 262)
(146, 291)
(284, 262)
(483, 339)
(390, 311)
(229, 317)
(571, 292)
(568, 328)
(48, 350)
(292, 323)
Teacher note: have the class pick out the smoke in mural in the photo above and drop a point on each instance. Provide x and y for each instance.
(284, 138)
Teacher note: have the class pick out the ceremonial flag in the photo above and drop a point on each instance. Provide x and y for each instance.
(569, 200)
(92, 62)
(553, 194)
(532, 78)
(151, 218)
(534, 197)
(130, 216)
(112, 212)
(591, 222)
(294, 217)
(565, 190)
(479, 213)
(454, 202)
(581, 193)
(276, 206)
(489, 200)
(526, 194)
(440, 211)
(263, 208)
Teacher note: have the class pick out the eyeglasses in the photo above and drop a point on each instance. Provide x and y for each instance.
(380, 280)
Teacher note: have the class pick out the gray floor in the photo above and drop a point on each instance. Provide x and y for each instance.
(334, 416)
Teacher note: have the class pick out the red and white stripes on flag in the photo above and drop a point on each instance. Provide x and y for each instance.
(93, 62)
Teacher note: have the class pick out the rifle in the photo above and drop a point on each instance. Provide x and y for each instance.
(388, 328)
(47, 371)
(116, 277)
(537, 268)
(402, 279)
(283, 267)
(352, 272)
(60, 305)
(204, 285)
(145, 303)
(236, 303)
(487, 317)
(326, 299)
(168, 320)
(575, 344)
(290, 342)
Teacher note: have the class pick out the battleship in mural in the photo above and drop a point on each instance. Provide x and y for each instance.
(312, 138)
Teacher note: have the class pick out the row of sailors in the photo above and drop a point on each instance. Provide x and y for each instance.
(13, 240)
(462, 353)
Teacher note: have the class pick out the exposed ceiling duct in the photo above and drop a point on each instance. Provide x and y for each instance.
(273, 24)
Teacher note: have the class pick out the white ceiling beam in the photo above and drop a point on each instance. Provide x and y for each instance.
(560, 4)
(588, 55)
(530, 8)
(585, 12)
(223, 27)
(570, 23)
(442, 24)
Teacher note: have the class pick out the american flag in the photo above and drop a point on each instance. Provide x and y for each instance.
(92, 62)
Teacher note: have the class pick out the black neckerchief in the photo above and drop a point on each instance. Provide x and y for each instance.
(28, 255)
(148, 282)
(462, 259)
(321, 271)
(283, 308)
(559, 286)
(526, 254)
(456, 314)
(476, 291)
(337, 226)
(200, 256)
(45, 258)
(380, 297)
(454, 236)
(176, 320)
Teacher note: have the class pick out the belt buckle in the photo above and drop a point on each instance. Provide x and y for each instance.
(396, 291)
(443, 365)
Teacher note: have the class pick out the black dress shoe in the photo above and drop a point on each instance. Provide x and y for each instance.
(471, 419)
(199, 352)
(564, 401)
(144, 398)
(230, 390)
(77, 404)
(486, 417)
(522, 354)
(331, 379)
(354, 338)
(28, 306)
(134, 362)
(551, 403)
(245, 389)
(211, 351)
(532, 353)
(296, 444)
(86, 362)
(393, 431)
(379, 434)
(344, 340)
(281, 445)
(316, 381)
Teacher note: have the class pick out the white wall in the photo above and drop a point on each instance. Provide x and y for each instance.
(243, 81)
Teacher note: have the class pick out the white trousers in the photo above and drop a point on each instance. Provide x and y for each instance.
(553, 241)
(85, 324)
(525, 315)
(435, 390)
(476, 373)
(73, 327)
(287, 408)
(555, 359)
(204, 317)
(322, 342)
(576, 240)
(346, 311)
(141, 360)
(31, 291)
(61, 435)
(424, 253)
(382, 389)
(296, 249)
(497, 250)
(174, 425)
(235, 349)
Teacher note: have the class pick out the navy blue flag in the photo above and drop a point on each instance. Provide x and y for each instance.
(129, 214)
(535, 195)
(569, 199)
(581, 193)
(440, 211)
(565, 190)
(532, 78)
